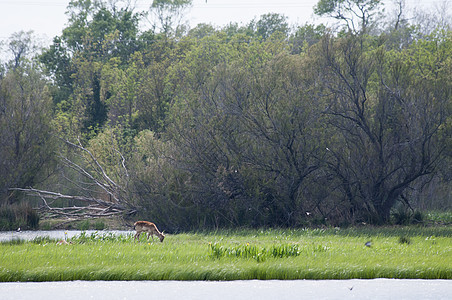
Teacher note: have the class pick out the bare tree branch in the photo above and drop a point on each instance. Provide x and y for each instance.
(95, 184)
(95, 207)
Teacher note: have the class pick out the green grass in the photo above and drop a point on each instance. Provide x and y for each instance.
(410, 252)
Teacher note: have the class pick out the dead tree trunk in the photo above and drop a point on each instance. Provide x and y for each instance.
(94, 183)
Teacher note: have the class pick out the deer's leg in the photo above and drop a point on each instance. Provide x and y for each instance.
(137, 236)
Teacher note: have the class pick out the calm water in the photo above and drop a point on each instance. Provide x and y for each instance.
(252, 289)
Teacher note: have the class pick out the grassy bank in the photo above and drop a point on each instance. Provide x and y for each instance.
(232, 255)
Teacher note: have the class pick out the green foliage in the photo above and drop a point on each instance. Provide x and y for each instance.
(100, 237)
(84, 225)
(373, 108)
(106, 147)
(169, 13)
(99, 225)
(440, 217)
(404, 240)
(14, 242)
(270, 24)
(26, 139)
(357, 14)
(257, 253)
(247, 125)
(42, 240)
(101, 30)
(306, 36)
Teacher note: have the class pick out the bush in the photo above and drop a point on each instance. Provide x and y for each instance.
(404, 240)
(402, 215)
(84, 225)
(418, 217)
(16, 216)
(99, 225)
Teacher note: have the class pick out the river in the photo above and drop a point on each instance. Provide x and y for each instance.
(251, 289)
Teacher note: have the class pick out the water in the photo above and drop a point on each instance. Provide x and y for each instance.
(54, 234)
(252, 289)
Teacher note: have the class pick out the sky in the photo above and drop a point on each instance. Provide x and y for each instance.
(47, 17)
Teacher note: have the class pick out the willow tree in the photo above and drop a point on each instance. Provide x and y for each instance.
(390, 110)
(26, 147)
(245, 132)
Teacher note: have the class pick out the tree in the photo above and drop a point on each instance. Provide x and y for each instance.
(96, 32)
(26, 142)
(306, 36)
(154, 93)
(101, 182)
(357, 14)
(21, 46)
(169, 14)
(158, 185)
(57, 62)
(93, 23)
(88, 108)
(388, 113)
(244, 132)
(269, 24)
(202, 30)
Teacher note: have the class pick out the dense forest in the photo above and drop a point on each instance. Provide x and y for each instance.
(258, 124)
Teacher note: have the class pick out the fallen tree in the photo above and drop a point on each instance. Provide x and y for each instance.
(95, 207)
(103, 196)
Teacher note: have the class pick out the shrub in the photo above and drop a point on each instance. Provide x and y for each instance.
(99, 225)
(20, 215)
(404, 240)
(418, 217)
(402, 215)
(84, 225)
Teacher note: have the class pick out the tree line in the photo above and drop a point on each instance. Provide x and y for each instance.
(261, 124)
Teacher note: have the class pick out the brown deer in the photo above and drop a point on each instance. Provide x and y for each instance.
(150, 228)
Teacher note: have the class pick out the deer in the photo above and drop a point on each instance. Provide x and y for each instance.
(150, 228)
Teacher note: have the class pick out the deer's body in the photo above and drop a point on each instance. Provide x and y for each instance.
(149, 228)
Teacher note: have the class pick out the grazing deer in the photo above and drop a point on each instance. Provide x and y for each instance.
(150, 228)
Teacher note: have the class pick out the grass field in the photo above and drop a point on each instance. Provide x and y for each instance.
(396, 252)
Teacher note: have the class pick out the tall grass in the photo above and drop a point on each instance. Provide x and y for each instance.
(229, 255)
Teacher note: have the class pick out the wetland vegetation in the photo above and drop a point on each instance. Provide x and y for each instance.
(333, 253)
